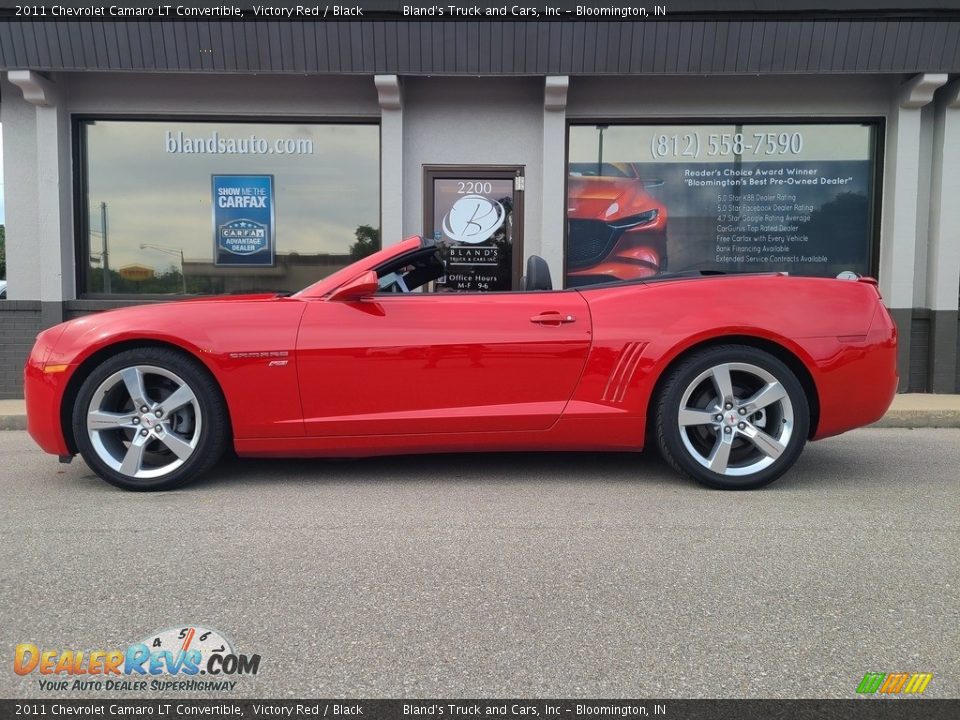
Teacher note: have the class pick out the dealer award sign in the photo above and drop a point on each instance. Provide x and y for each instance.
(735, 197)
(243, 220)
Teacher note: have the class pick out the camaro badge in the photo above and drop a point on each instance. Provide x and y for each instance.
(257, 354)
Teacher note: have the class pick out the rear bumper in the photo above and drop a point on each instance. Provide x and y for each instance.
(857, 377)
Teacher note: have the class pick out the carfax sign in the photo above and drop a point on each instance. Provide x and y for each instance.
(243, 227)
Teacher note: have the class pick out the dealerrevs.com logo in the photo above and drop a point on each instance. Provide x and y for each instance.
(189, 658)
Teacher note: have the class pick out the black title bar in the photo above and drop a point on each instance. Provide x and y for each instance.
(461, 9)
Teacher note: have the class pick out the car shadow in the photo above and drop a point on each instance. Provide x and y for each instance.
(492, 468)
(832, 462)
(820, 464)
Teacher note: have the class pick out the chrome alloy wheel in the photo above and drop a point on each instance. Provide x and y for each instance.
(144, 421)
(735, 419)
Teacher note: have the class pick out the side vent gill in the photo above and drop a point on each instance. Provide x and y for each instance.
(622, 372)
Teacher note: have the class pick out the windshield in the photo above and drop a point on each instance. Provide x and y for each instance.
(411, 271)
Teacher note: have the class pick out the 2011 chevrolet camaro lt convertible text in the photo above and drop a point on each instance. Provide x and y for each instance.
(729, 375)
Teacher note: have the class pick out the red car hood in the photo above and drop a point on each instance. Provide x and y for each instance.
(590, 197)
(147, 314)
(186, 323)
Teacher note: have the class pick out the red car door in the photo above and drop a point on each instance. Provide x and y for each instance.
(440, 362)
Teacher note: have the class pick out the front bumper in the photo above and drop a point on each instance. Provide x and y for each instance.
(599, 251)
(617, 268)
(43, 389)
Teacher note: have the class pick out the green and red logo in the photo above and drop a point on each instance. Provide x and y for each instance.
(894, 683)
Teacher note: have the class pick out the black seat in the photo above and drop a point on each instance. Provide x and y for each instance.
(538, 275)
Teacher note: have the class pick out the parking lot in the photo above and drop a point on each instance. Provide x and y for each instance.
(565, 575)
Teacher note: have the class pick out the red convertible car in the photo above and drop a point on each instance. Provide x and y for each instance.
(728, 375)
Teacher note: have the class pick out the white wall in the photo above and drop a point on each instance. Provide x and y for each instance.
(923, 203)
(728, 96)
(241, 95)
(943, 258)
(19, 125)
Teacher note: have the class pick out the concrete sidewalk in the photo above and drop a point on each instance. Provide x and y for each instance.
(911, 410)
(13, 415)
(916, 410)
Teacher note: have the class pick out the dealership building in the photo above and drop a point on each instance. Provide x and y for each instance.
(144, 161)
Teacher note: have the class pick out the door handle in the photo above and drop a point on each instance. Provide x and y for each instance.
(552, 318)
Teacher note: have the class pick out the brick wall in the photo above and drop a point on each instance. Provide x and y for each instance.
(919, 371)
(19, 325)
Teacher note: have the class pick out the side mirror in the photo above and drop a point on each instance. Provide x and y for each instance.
(360, 287)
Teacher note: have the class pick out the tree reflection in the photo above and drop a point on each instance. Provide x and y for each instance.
(368, 241)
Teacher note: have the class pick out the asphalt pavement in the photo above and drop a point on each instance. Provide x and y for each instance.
(540, 575)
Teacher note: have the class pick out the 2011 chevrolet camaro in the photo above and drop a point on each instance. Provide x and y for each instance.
(728, 375)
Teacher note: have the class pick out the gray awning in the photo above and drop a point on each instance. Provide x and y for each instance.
(832, 45)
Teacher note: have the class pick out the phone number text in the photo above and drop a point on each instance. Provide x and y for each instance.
(693, 145)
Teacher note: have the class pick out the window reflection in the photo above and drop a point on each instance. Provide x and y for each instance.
(149, 216)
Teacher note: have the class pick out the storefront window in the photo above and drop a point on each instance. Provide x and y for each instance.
(646, 199)
(176, 207)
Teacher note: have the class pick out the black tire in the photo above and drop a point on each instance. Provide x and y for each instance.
(688, 448)
(210, 440)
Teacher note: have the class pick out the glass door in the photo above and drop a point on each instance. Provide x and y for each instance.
(476, 212)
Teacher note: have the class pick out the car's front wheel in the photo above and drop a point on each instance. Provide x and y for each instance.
(150, 419)
(732, 417)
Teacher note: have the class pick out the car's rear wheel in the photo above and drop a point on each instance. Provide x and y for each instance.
(732, 417)
(150, 419)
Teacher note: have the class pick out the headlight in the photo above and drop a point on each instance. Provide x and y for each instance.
(642, 219)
